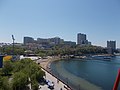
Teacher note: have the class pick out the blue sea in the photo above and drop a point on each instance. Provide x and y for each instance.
(87, 74)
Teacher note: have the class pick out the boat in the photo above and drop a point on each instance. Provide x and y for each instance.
(108, 57)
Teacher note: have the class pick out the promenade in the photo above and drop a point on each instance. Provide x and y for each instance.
(58, 84)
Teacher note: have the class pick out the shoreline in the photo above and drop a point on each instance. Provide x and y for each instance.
(46, 67)
(47, 62)
(67, 87)
(77, 83)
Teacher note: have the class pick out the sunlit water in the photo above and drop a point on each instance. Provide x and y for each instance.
(87, 74)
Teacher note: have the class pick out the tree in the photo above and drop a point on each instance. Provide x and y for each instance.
(18, 66)
(7, 68)
(21, 71)
(20, 81)
(42, 54)
(4, 84)
(39, 75)
(35, 85)
(9, 50)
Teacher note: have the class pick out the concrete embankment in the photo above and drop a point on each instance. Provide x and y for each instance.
(58, 83)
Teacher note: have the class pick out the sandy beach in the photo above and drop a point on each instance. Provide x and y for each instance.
(45, 63)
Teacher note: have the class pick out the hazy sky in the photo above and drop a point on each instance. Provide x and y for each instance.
(99, 19)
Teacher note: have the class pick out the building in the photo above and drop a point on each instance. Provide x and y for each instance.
(50, 41)
(89, 43)
(47, 43)
(82, 39)
(28, 40)
(42, 41)
(70, 43)
(55, 40)
(111, 46)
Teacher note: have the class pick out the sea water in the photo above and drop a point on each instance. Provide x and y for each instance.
(87, 74)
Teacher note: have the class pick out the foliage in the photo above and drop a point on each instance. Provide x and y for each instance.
(9, 50)
(35, 85)
(21, 71)
(56, 50)
(42, 54)
(4, 85)
(74, 50)
(20, 80)
(7, 68)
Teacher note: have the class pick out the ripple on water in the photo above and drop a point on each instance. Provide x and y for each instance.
(75, 81)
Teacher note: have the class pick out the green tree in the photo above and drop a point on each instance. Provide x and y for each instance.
(35, 85)
(42, 54)
(9, 50)
(7, 68)
(4, 84)
(20, 81)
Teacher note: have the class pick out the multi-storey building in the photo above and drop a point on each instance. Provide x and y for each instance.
(70, 43)
(111, 46)
(55, 40)
(42, 41)
(82, 39)
(28, 40)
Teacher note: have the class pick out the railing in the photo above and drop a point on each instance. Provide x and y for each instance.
(68, 87)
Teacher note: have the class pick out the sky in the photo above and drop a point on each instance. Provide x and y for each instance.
(98, 19)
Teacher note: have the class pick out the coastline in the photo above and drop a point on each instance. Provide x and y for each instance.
(46, 68)
(47, 62)
(78, 84)
(45, 65)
